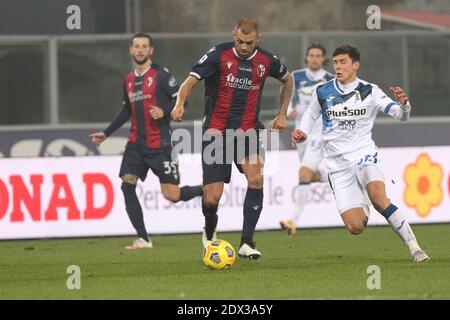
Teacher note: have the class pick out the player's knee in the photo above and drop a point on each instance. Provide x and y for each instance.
(306, 174)
(256, 181)
(129, 178)
(355, 228)
(210, 198)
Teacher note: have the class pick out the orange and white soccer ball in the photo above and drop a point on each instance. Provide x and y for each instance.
(219, 255)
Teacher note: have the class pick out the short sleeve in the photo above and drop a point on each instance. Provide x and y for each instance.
(277, 69)
(206, 66)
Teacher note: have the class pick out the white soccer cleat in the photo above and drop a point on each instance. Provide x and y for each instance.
(140, 244)
(247, 252)
(420, 256)
(205, 240)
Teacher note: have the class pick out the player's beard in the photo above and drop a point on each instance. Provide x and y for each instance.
(141, 62)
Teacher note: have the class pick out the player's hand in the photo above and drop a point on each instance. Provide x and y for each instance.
(298, 136)
(156, 112)
(97, 138)
(279, 123)
(177, 113)
(400, 95)
(292, 114)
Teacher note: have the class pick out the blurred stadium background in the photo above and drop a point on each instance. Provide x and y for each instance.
(59, 85)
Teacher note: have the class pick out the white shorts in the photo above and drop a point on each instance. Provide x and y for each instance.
(349, 185)
(310, 152)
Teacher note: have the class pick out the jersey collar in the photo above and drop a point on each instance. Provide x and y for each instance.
(249, 58)
(143, 72)
(317, 75)
(346, 88)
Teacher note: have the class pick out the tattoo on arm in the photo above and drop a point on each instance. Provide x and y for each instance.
(285, 94)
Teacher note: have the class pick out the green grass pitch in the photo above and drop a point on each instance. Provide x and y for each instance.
(315, 264)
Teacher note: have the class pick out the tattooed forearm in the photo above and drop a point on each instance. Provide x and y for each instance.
(285, 94)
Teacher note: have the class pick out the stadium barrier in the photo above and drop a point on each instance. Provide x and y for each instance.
(81, 196)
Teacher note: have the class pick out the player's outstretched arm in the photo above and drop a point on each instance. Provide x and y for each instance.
(183, 94)
(401, 113)
(97, 138)
(310, 116)
(399, 109)
(279, 123)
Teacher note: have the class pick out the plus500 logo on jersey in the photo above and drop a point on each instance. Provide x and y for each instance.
(240, 83)
(345, 112)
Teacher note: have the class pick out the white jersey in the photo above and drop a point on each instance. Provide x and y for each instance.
(348, 112)
(305, 83)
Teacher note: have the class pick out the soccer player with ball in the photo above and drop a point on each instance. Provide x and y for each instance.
(349, 106)
(234, 74)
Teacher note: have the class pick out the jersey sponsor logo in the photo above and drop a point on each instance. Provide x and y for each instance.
(149, 81)
(345, 112)
(240, 83)
(347, 124)
(138, 96)
(261, 70)
(229, 64)
(249, 69)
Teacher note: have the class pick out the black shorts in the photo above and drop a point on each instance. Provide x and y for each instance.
(217, 164)
(138, 159)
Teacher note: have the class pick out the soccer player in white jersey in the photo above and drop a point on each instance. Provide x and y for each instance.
(349, 106)
(305, 82)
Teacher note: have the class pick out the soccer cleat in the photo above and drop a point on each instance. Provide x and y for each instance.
(205, 240)
(248, 251)
(420, 256)
(289, 227)
(140, 244)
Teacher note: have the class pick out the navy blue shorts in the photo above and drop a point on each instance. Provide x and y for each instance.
(138, 159)
(217, 164)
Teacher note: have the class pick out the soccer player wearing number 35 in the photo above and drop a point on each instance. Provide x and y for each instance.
(149, 95)
(349, 107)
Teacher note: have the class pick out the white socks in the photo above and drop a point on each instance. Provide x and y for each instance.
(397, 221)
(301, 199)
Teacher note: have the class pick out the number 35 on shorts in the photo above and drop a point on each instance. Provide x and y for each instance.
(171, 167)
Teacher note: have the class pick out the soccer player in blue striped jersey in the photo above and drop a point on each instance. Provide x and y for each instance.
(311, 170)
(349, 106)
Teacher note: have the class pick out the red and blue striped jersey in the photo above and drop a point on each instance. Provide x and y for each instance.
(156, 86)
(233, 86)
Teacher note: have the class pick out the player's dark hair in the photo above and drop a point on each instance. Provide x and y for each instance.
(316, 46)
(142, 35)
(321, 48)
(352, 52)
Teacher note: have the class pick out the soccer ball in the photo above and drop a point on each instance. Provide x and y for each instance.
(219, 254)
